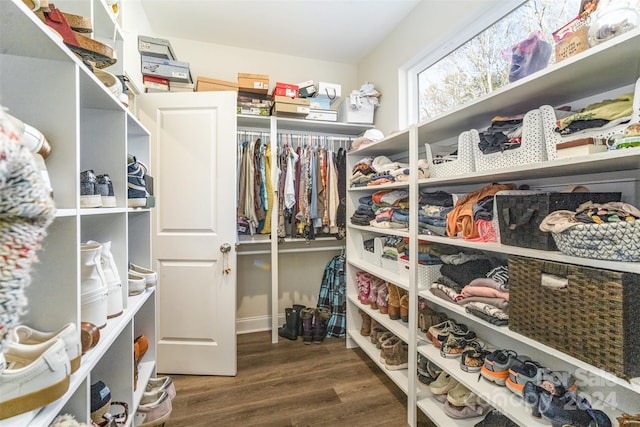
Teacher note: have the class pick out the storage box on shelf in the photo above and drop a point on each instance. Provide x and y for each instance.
(464, 162)
(427, 274)
(532, 148)
(588, 313)
(600, 135)
(520, 214)
(374, 258)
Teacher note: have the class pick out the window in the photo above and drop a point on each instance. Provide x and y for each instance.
(481, 63)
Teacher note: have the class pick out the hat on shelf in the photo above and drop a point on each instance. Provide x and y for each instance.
(369, 137)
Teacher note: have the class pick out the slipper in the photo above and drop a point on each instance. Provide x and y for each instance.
(89, 49)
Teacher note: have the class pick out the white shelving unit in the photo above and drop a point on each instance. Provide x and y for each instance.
(605, 70)
(263, 244)
(44, 84)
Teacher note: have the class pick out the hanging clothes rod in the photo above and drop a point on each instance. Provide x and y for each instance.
(298, 250)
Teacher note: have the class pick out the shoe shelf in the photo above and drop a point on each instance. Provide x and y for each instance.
(553, 356)
(400, 377)
(374, 188)
(629, 267)
(500, 397)
(396, 327)
(88, 128)
(392, 231)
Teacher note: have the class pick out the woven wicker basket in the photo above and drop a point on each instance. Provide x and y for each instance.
(520, 216)
(596, 318)
(615, 241)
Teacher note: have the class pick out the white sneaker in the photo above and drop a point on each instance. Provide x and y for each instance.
(150, 276)
(161, 384)
(137, 283)
(112, 279)
(25, 335)
(32, 376)
(154, 410)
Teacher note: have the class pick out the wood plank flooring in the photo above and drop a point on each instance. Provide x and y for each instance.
(292, 384)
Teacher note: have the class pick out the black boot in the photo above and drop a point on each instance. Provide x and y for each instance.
(321, 322)
(299, 308)
(290, 328)
(306, 316)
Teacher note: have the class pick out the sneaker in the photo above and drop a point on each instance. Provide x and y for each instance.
(150, 276)
(154, 410)
(453, 347)
(496, 418)
(462, 396)
(439, 333)
(136, 188)
(104, 187)
(89, 197)
(100, 401)
(32, 376)
(161, 384)
(472, 357)
(570, 409)
(497, 364)
(112, 279)
(136, 283)
(555, 382)
(443, 384)
(463, 412)
(25, 335)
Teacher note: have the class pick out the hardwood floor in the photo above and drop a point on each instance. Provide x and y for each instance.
(291, 384)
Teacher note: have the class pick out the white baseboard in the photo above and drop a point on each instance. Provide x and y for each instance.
(247, 325)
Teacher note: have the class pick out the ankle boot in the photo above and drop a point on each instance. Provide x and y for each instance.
(290, 328)
(383, 295)
(394, 301)
(322, 317)
(386, 347)
(365, 328)
(306, 316)
(112, 278)
(404, 307)
(397, 357)
(299, 308)
(376, 331)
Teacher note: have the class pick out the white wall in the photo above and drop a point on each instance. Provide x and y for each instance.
(411, 39)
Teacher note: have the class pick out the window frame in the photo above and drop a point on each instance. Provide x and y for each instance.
(409, 108)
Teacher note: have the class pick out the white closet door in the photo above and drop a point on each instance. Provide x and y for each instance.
(194, 157)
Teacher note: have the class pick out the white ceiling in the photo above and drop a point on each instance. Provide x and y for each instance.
(331, 30)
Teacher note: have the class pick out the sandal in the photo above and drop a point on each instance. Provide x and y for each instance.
(78, 23)
(91, 50)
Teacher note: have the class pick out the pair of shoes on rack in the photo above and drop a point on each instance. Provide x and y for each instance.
(36, 367)
(530, 371)
(439, 333)
(72, 29)
(100, 284)
(96, 191)
(394, 353)
(462, 403)
(154, 409)
(104, 411)
(140, 278)
(139, 191)
(562, 408)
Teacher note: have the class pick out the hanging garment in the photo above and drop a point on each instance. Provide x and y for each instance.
(332, 296)
(269, 205)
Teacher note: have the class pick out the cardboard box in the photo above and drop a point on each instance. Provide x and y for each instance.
(307, 89)
(322, 115)
(285, 105)
(152, 82)
(255, 83)
(160, 48)
(350, 114)
(206, 84)
(174, 71)
(252, 109)
(285, 89)
(571, 39)
(253, 97)
(319, 103)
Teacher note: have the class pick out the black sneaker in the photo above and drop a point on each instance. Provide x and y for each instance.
(496, 418)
